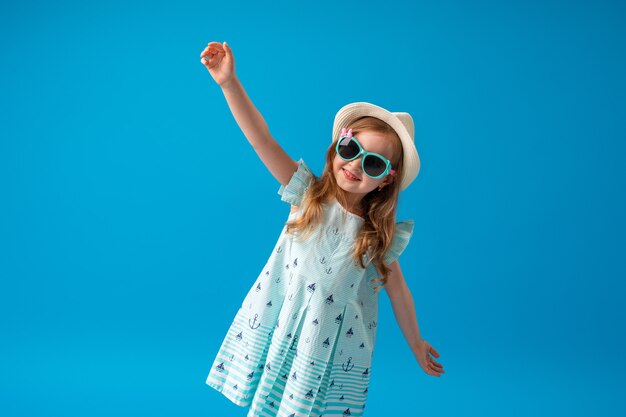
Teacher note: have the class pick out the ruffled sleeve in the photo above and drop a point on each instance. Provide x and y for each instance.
(294, 190)
(401, 237)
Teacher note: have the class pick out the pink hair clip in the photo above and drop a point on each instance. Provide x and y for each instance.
(347, 133)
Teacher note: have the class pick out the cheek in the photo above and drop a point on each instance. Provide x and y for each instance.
(337, 163)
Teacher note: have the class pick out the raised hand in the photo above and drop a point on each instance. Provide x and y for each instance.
(219, 61)
(428, 364)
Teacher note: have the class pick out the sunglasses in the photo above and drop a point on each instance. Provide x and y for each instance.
(374, 165)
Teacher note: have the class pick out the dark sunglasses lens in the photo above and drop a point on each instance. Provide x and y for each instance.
(374, 166)
(347, 148)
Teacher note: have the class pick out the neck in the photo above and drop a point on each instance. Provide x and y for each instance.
(353, 204)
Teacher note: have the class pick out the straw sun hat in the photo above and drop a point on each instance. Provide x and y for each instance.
(401, 122)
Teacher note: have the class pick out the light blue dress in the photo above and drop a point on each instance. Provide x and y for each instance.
(302, 342)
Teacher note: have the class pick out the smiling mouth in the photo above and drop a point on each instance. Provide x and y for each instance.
(349, 175)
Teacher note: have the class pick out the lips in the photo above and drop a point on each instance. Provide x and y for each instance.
(349, 175)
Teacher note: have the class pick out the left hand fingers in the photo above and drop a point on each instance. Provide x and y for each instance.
(436, 364)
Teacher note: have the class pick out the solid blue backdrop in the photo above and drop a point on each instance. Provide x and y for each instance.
(135, 216)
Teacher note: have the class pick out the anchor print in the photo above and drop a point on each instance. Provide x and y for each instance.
(338, 319)
(267, 273)
(294, 342)
(232, 357)
(220, 367)
(285, 376)
(279, 250)
(366, 373)
(347, 366)
(252, 326)
(308, 340)
(258, 287)
(235, 387)
(277, 279)
(269, 304)
(330, 299)
(311, 288)
(349, 333)
(294, 377)
(323, 260)
(315, 322)
(362, 345)
(295, 262)
(329, 270)
(347, 412)
(309, 394)
(250, 375)
(278, 323)
(334, 231)
(290, 296)
(239, 337)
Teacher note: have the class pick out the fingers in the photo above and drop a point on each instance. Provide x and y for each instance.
(211, 59)
(436, 364)
(227, 48)
(215, 48)
(434, 352)
(212, 50)
(434, 368)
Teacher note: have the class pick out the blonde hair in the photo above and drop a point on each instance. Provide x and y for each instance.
(379, 206)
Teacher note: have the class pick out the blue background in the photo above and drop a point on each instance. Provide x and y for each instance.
(135, 216)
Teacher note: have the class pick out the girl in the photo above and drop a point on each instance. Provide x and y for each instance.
(302, 342)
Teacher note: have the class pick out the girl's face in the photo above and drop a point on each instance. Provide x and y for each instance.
(371, 142)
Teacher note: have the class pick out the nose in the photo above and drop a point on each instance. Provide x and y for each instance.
(355, 164)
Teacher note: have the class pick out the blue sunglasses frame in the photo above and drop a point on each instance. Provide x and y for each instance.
(388, 170)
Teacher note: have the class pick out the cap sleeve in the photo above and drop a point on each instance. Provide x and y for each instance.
(294, 190)
(401, 237)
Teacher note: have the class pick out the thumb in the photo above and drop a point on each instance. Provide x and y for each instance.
(226, 47)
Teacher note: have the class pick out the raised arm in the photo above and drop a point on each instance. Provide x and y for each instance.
(221, 66)
(404, 310)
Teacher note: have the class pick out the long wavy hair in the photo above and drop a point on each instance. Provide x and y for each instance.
(379, 206)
